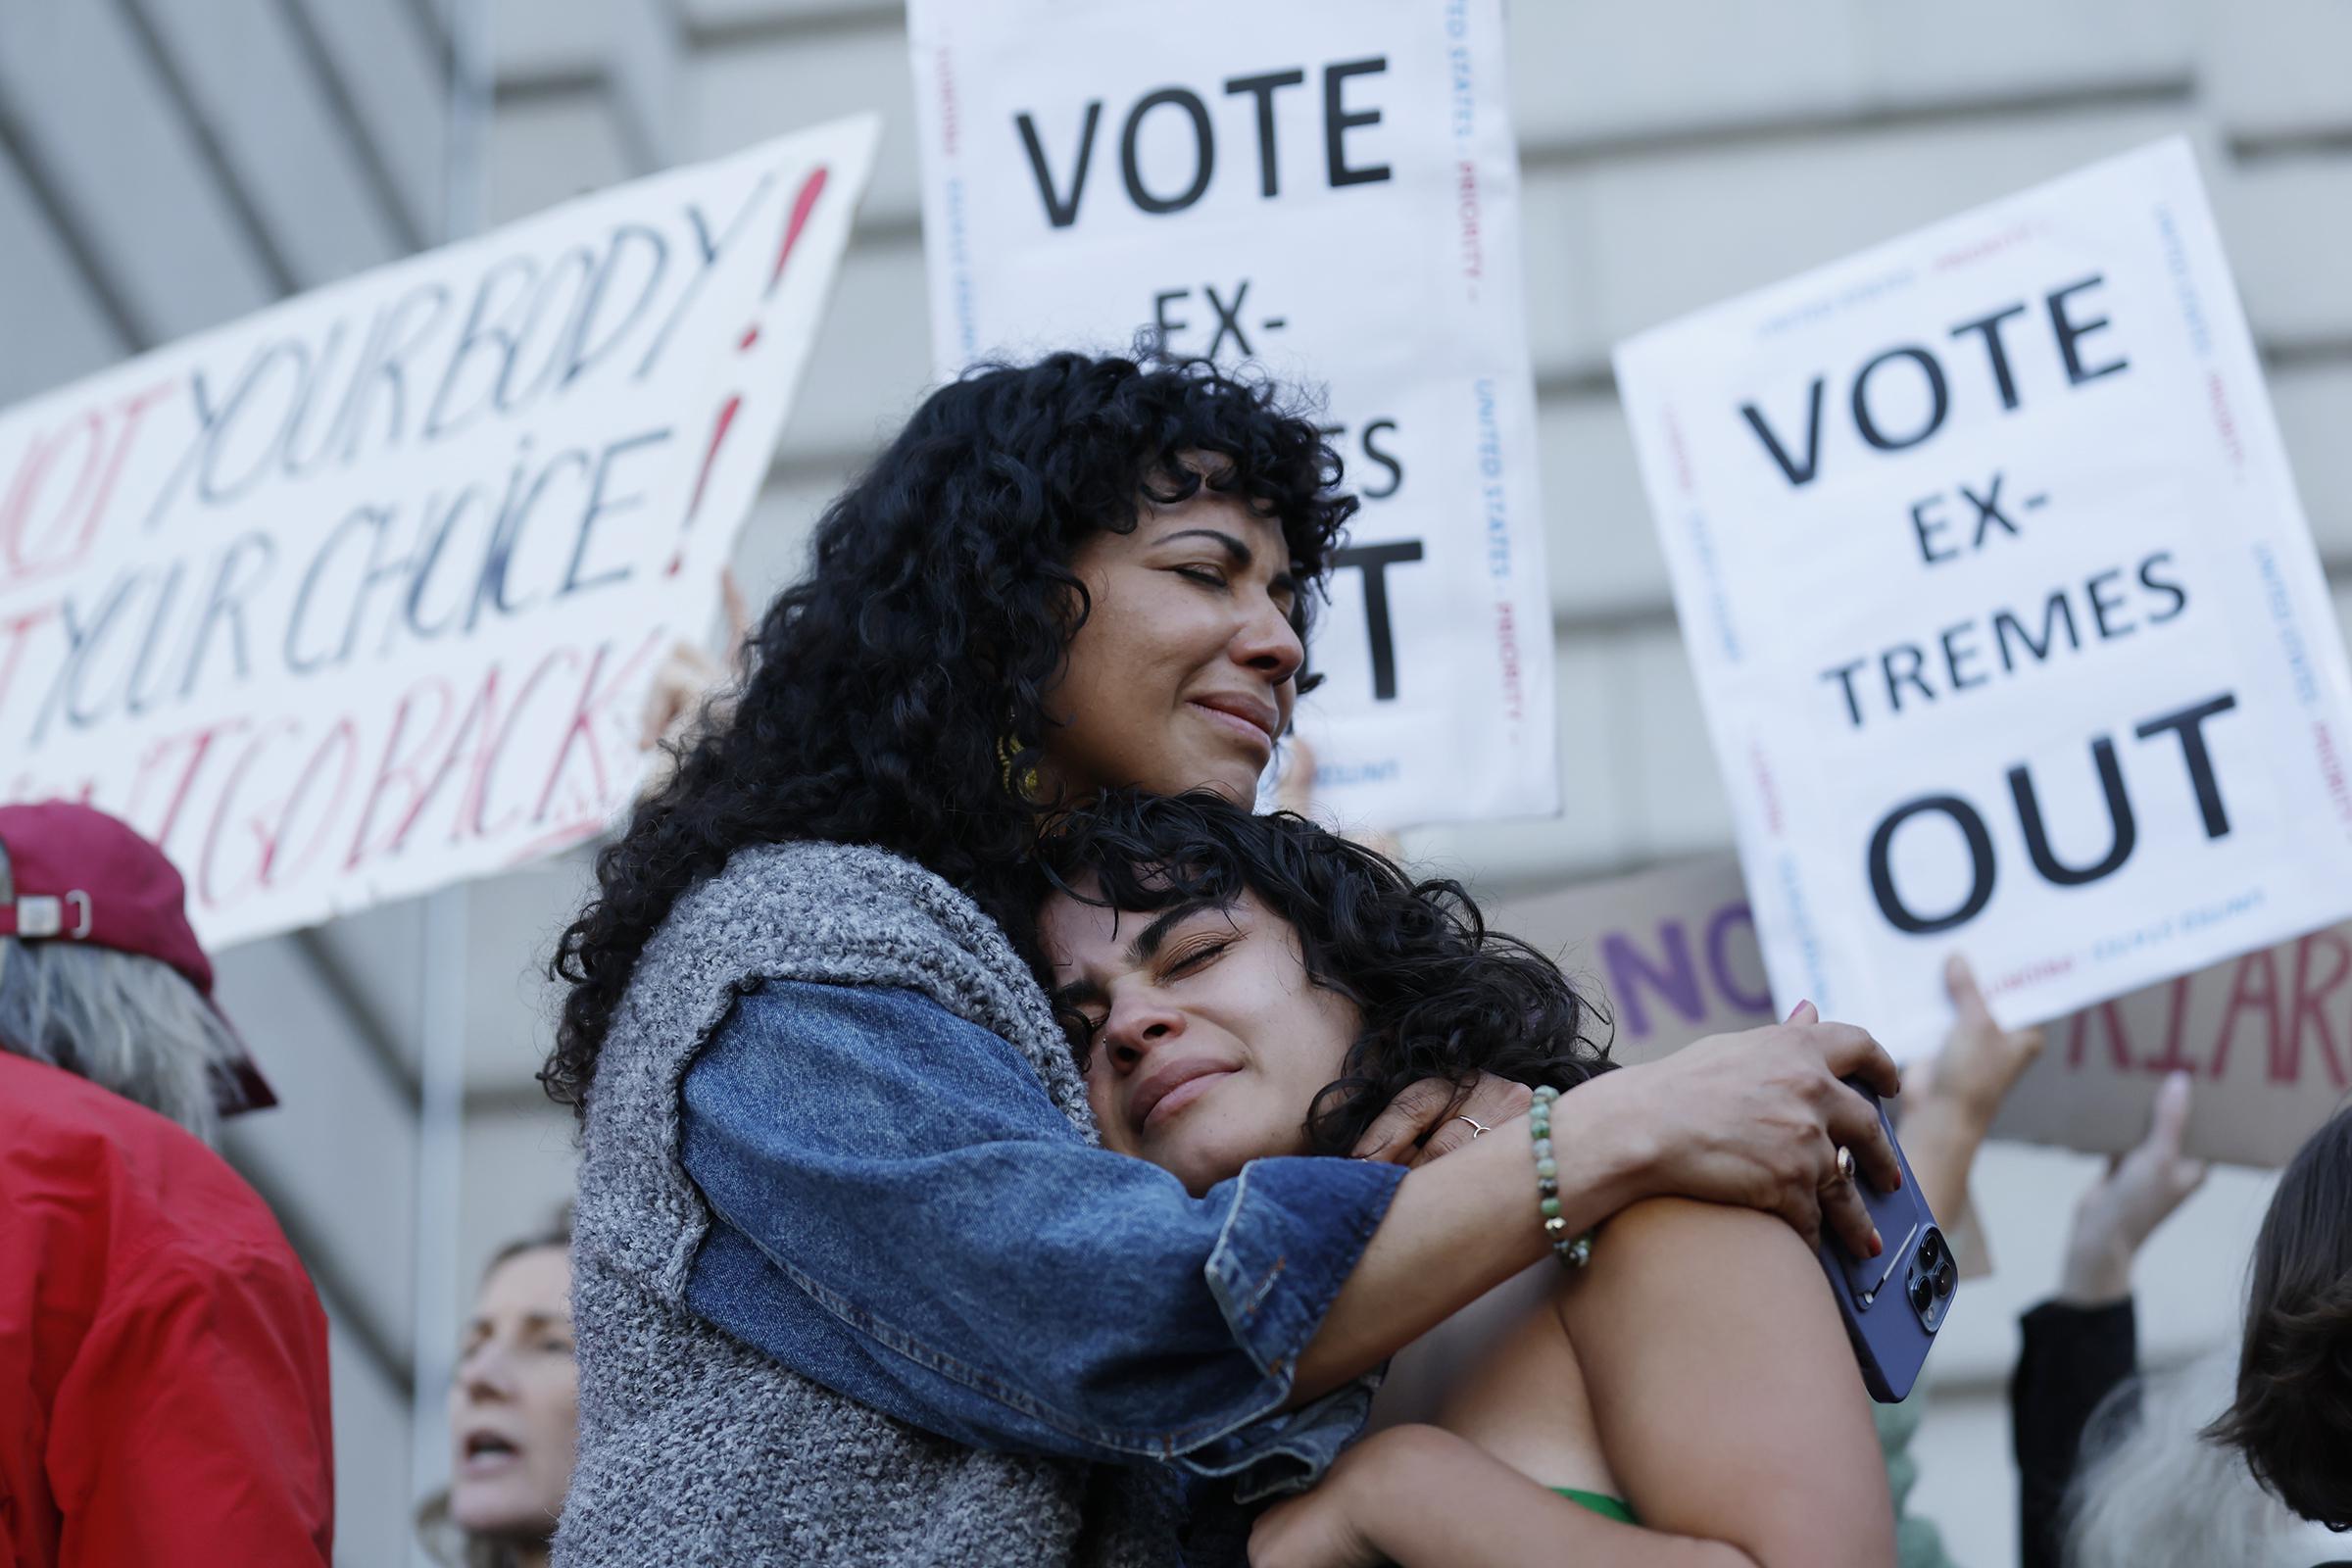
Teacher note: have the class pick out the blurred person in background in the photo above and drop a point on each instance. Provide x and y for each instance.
(2113, 1471)
(513, 1412)
(2162, 1483)
(162, 1356)
(2154, 1493)
(2081, 1345)
(2292, 1420)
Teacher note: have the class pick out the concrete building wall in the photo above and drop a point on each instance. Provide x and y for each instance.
(166, 164)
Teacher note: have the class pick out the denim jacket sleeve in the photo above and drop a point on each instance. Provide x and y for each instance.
(902, 1215)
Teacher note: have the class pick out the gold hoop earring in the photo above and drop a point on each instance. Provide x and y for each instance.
(1009, 752)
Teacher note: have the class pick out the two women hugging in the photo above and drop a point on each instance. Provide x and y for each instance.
(968, 1080)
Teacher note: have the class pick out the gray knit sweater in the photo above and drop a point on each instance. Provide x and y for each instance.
(696, 1449)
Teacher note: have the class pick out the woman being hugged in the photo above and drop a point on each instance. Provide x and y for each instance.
(854, 1280)
(1240, 989)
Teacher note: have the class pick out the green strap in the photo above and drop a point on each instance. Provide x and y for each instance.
(1605, 1506)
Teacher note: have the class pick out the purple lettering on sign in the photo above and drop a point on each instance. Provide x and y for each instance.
(1719, 958)
(1677, 982)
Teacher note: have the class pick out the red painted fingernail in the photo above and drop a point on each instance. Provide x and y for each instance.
(1877, 1246)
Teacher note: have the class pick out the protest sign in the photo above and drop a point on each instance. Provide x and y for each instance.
(2006, 619)
(1673, 951)
(1327, 191)
(2267, 1036)
(357, 596)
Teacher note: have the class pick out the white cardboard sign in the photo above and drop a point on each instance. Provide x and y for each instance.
(358, 596)
(1329, 190)
(2007, 623)
(2265, 1036)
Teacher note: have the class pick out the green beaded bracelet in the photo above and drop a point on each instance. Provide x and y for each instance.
(1573, 1252)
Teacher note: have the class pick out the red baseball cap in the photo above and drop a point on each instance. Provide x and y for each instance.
(72, 874)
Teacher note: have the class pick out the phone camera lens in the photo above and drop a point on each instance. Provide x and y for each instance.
(1947, 1278)
(1923, 1294)
(1931, 1249)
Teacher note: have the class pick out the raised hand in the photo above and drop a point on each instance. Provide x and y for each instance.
(690, 684)
(1980, 1062)
(2122, 1210)
(1950, 1099)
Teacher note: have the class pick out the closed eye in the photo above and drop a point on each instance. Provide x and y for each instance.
(1206, 576)
(1187, 959)
(1080, 1031)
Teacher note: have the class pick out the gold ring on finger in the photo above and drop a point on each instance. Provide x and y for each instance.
(1845, 1163)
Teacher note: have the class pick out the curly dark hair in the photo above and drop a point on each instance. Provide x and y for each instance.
(2292, 1417)
(1440, 995)
(897, 689)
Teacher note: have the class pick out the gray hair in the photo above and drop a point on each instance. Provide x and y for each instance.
(2152, 1493)
(126, 1023)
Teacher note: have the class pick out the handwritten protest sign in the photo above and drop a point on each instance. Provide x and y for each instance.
(1327, 190)
(2265, 1036)
(2006, 619)
(357, 596)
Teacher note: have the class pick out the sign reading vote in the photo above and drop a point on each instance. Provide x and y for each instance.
(2265, 1036)
(2006, 619)
(1325, 190)
(359, 595)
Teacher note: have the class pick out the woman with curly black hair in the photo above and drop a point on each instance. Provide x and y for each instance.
(853, 1281)
(1429, 992)
(1238, 989)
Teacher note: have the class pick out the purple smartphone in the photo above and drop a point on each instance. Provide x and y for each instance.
(1894, 1302)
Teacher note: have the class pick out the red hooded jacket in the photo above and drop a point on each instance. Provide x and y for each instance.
(163, 1357)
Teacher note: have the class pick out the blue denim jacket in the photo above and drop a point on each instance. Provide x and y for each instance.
(902, 1215)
